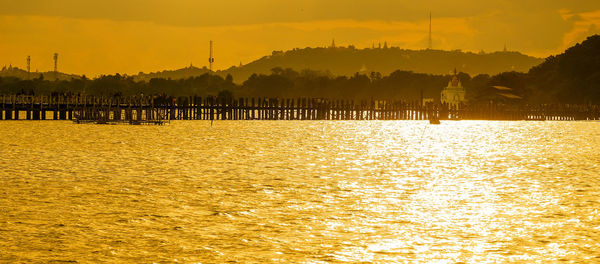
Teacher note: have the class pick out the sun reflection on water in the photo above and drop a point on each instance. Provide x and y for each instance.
(306, 192)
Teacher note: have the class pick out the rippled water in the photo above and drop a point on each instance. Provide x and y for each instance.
(300, 191)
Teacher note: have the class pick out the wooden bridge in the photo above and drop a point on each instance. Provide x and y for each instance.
(147, 109)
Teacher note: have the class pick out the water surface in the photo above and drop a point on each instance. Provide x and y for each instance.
(300, 191)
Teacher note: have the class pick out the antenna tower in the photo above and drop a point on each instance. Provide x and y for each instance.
(430, 42)
(211, 59)
(28, 66)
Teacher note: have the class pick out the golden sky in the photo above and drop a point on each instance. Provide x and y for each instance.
(96, 37)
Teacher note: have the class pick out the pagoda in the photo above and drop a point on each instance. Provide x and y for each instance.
(454, 93)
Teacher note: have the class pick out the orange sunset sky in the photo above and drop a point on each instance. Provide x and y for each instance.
(96, 37)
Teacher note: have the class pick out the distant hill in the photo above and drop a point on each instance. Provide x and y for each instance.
(183, 73)
(573, 76)
(23, 75)
(348, 60)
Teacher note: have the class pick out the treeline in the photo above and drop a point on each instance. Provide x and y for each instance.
(118, 85)
(289, 83)
(279, 83)
(571, 77)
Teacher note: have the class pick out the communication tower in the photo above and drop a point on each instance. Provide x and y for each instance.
(56, 65)
(430, 42)
(28, 66)
(211, 59)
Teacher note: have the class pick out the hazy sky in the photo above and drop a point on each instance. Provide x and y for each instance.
(107, 36)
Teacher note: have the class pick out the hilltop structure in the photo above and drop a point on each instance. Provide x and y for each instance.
(454, 93)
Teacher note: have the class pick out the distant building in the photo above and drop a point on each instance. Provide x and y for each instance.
(363, 69)
(428, 101)
(454, 93)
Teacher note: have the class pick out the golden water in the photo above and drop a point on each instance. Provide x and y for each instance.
(300, 191)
